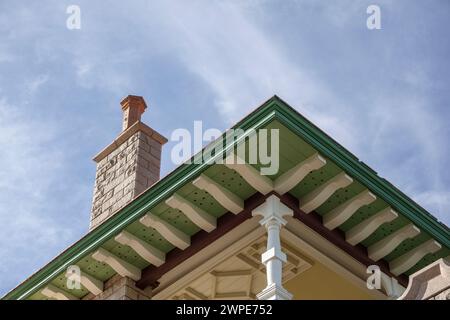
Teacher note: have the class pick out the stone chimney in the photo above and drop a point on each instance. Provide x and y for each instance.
(129, 165)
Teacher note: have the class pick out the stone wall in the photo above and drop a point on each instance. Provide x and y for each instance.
(120, 288)
(124, 173)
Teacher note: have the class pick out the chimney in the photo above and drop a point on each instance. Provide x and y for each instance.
(133, 107)
(129, 165)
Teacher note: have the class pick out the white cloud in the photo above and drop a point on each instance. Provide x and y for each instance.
(241, 64)
(102, 70)
(34, 84)
(30, 168)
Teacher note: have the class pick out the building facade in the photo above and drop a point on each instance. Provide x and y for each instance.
(323, 225)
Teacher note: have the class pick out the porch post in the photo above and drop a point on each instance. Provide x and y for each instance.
(272, 211)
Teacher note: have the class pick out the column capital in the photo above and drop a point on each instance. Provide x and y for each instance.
(272, 211)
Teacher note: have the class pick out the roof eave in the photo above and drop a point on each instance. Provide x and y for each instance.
(274, 108)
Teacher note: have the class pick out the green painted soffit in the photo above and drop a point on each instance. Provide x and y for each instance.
(272, 111)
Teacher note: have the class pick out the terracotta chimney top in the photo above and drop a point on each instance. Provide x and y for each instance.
(133, 107)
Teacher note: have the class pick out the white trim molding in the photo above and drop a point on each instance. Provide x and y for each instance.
(294, 176)
(148, 252)
(409, 259)
(252, 176)
(52, 292)
(175, 236)
(343, 212)
(363, 230)
(273, 211)
(385, 246)
(93, 285)
(197, 215)
(120, 266)
(317, 197)
(391, 286)
(225, 197)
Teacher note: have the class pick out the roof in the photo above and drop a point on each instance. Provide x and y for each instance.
(299, 139)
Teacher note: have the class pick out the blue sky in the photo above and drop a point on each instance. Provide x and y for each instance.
(383, 94)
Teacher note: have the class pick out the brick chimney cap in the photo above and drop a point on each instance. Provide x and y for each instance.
(133, 101)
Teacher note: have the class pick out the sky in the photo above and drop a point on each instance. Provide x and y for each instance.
(382, 93)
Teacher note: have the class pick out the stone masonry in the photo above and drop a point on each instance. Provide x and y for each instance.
(430, 283)
(128, 166)
(120, 288)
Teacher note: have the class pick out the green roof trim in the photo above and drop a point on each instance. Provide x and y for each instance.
(359, 170)
(273, 109)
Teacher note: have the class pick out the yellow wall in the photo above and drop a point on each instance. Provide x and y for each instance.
(319, 282)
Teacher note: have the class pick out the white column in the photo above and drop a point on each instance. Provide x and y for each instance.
(272, 211)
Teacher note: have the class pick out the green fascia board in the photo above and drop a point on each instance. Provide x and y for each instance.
(360, 171)
(272, 109)
(130, 213)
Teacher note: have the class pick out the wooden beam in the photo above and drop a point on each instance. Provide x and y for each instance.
(343, 212)
(314, 221)
(200, 240)
(225, 197)
(386, 245)
(227, 222)
(253, 177)
(148, 252)
(120, 266)
(197, 215)
(53, 292)
(294, 176)
(92, 284)
(409, 259)
(175, 236)
(317, 197)
(364, 229)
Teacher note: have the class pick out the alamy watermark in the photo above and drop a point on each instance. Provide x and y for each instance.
(373, 21)
(73, 21)
(73, 275)
(235, 146)
(374, 280)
